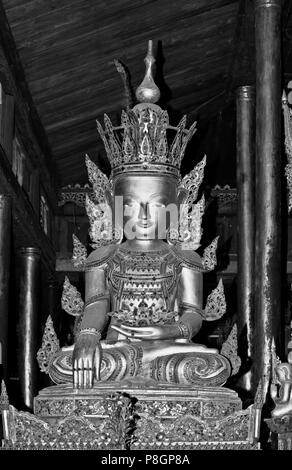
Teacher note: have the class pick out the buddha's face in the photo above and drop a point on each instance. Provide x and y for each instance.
(147, 202)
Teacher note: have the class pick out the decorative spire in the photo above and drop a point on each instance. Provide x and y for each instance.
(71, 300)
(275, 362)
(50, 346)
(148, 92)
(216, 304)
(79, 255)
(209, 259)
(192, 225)
(190, 184)
(4, 401)
(288, 146)
(99, 181)
(142, 141)
(230, 348)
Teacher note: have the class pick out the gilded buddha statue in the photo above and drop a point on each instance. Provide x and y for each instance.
(281, 384)
(143, 296)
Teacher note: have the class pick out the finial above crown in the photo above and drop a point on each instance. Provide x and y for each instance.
(148, 91)
(145, 141)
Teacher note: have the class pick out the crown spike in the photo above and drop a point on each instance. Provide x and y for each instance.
(148, 91)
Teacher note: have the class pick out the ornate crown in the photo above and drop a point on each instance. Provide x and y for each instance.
(142, 141)
(140, 145)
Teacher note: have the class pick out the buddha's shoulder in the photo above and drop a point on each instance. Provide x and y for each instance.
(187, 258)
(101, 256)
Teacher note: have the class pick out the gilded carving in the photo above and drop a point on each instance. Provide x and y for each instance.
(50, 346)
(185, 431)
(74, 431)
(71, 299)
(209, 256)
(288, 146)
(79, 253)
(192, 181)
(229, 350)
(143, 306)
(216, 304)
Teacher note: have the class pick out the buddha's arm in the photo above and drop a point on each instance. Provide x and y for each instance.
(190, 300)
(87, 351)
(96, 300)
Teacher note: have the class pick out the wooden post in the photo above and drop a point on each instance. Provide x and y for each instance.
(268, 179)
(5, 242)
(29, 261)
(245, 118)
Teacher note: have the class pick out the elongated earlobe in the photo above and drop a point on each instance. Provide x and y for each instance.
(182, 195)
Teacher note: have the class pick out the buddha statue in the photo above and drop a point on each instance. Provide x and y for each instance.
(281, 385)
(144, 285)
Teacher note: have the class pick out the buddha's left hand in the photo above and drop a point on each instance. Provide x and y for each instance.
(149, 332)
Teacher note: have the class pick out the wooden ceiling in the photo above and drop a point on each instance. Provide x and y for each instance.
(67, 49)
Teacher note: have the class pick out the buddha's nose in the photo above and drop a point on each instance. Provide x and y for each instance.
(143, 212)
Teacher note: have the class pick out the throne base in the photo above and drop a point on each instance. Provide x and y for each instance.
(164, 417)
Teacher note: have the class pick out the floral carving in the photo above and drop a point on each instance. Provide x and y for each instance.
(79, 253)
(75, 431)
(50, 346)
(71, 299)
(226, 196)
(187, 430)
(76, 194)
(216, 304)
(288, 146)
(229, 350)
(209, 259)
(101, 185)
(190, 228)
(191, 183)
(4, 400)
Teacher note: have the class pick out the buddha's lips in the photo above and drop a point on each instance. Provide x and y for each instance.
(145, 225)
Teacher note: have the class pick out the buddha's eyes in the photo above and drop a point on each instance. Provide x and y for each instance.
(156, 204)
(131, 204)
(130, 208)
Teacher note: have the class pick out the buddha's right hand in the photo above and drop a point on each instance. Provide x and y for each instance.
(86, 361)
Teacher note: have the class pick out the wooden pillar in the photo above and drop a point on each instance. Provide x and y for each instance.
(29, 264)
(245, 119)
(268, 178)
(5, 242)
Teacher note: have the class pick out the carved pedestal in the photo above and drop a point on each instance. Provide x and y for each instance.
(132, 418)
(154, 418)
